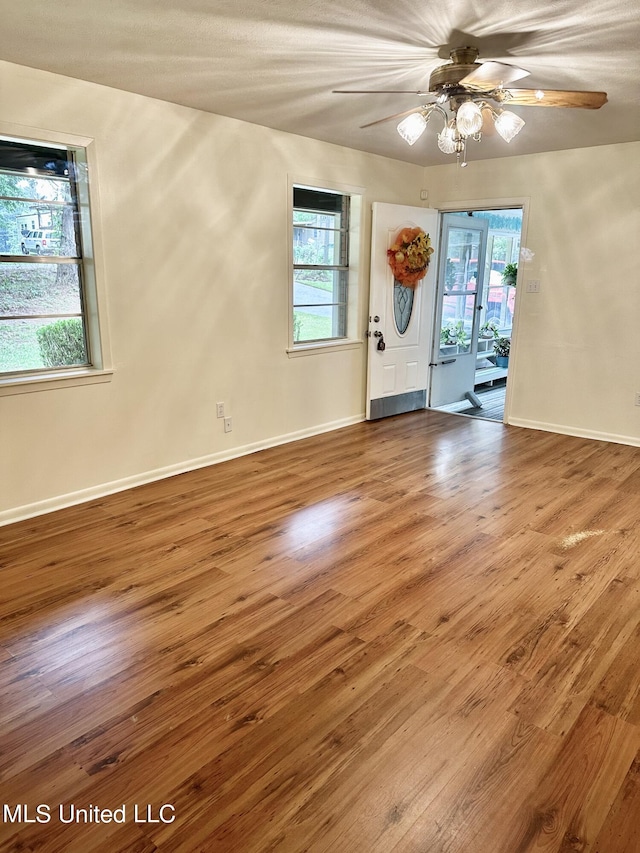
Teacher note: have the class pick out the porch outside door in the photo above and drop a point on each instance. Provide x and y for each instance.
(461, 271)
(400, 317)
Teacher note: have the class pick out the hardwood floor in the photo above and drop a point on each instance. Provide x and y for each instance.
(420, 634)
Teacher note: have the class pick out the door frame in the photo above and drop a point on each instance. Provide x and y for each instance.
(522, 202)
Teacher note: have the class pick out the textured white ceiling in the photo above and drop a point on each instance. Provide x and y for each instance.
(275, 62)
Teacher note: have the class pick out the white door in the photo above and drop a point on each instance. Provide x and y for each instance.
(461, 271)
(400, 318)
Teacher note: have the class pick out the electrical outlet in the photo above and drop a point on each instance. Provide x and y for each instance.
(637, 398)
(228, 426)
(533, 285)
(219, 410)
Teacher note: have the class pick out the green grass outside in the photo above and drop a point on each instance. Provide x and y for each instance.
(29, 289)
(19, 348)
(310, 327)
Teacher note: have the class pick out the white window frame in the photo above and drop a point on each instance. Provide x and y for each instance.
(95, 314)
(353, 338)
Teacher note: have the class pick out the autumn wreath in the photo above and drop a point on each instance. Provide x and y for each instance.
(409, 256)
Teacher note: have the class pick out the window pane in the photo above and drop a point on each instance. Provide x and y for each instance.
(33, 344)
(36, 227)
(320, 310)
(319, 287)
(315, 323)
(316, 219)
(462, 259)
(313, 246)
(457, 323)
(39, 189)
(320, 240)
(40, 288)
(44, 208)
(500, 306)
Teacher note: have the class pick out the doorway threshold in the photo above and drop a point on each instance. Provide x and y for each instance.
(492, 399)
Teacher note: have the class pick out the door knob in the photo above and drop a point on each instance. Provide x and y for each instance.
(381, 344)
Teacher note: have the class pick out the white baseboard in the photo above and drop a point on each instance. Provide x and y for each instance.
(22, 513)
(632, 440)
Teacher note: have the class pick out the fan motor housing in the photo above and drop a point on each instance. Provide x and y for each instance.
(463, 62)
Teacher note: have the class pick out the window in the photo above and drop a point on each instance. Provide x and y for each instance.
(503, 247)
(47, 291)
(320, 265)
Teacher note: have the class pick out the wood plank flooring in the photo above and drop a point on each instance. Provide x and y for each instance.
(413, 636)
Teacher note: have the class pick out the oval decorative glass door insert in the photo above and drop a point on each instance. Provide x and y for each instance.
(402, 306)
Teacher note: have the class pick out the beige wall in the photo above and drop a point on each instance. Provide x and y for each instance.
(194, 225)
(577, 344)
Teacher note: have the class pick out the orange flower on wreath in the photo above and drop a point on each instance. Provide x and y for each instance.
(409, 256)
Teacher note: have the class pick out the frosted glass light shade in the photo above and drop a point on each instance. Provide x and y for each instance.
(508, 125)
(412, 127)
(469, 118)
(447, 141)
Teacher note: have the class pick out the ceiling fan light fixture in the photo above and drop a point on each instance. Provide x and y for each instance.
(469, 118)
(412, 127)
(508, 124)
(447, 140)
(461, 92)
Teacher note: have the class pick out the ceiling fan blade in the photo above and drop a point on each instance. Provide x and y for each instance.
(390, 118)
(554, 98)
(490, 75)
(380, 92)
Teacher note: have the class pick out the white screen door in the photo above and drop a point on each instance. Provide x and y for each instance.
(399, 317)
(461, 272)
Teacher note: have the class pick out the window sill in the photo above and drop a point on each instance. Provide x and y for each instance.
(317, 347)
(49, 381)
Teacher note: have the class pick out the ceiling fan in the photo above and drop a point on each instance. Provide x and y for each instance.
(468, 86)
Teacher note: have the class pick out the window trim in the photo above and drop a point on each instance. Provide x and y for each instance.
(353, 338)
(95, 311)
